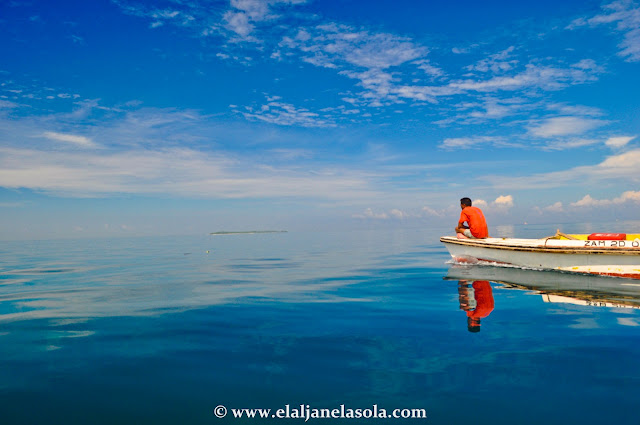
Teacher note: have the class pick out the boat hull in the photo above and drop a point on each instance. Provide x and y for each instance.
(556, 286)
(606, 258)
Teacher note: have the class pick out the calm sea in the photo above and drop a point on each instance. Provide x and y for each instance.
(168, 330)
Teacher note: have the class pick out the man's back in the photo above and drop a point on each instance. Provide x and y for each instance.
(477, 223)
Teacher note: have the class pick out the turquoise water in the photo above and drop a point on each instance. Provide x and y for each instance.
(164, 330)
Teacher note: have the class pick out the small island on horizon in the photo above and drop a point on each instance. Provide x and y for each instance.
(247, 232)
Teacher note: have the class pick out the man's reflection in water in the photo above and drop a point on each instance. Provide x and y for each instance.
(476, 299)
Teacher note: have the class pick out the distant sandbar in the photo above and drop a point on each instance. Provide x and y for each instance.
(248, 232)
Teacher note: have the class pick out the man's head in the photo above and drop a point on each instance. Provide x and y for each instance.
(473, 324)
(465, 202)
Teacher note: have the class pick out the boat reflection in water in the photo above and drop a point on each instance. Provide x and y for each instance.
(476, 297)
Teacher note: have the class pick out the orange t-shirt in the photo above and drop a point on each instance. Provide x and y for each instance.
(475, 219)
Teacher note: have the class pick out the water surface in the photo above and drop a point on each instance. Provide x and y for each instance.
(163, 330)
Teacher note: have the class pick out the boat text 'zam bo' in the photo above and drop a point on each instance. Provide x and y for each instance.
(614, 244)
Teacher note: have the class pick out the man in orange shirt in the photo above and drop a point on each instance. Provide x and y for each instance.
(477, 300)
(476, 227)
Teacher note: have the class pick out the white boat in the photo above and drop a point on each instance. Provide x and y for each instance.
(598, 253)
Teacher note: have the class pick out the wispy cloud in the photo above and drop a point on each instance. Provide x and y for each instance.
(387, 69)
(369, 213)
(168, 152)
(335, 45)
(277, 112)
(178, 172)
(575, 110)
(534, 76)
(400, 214)
(244, 14)
(382, 87)
(468, 142)
(359, 54)
(565, 126)
(496, 63)
(6, 104)
(489, 108)
(625, 14)
(237, 22)
(569, 143)
(615, 168)
(169, 12)
(70, 138)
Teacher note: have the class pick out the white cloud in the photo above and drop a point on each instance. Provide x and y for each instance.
(459, 143)
(633, 196)
(588, 201)
(396, 213)
(556, 208)
(488, 108)
(427, 211)
(238, 22)
(368, 213)
(428, 68)
(480, 203)
(69, 138)
(495, 109)
(627, 160)
(257, 10)
(504, 201)
(618, 142)
(261, 10)
(467, 142)
(565, 126)
(244, 14)
(622, 168)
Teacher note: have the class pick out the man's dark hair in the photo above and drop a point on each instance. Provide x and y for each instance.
(473, 324)
(466, 202)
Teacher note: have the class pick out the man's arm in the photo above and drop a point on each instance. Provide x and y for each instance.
(463, 219)
(461, 226)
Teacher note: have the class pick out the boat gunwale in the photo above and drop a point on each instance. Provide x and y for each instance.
(546, 249)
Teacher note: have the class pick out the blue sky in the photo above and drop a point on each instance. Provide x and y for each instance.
(177, 116)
